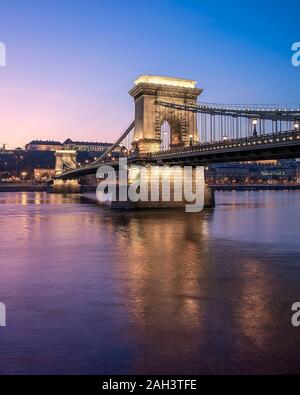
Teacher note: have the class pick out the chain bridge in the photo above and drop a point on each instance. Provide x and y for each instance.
(172, 127)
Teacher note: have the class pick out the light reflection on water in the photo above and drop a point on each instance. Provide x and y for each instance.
(90, 290)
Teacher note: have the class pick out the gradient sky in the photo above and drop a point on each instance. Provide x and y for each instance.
(70, 63)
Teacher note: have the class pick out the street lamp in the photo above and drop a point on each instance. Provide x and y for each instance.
(191, 139)
(296, 125)
(254, 123)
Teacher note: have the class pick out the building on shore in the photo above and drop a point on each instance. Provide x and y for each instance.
(44, 145)
(43, 175)
(79, 146)
(271, 172)
(86, 145)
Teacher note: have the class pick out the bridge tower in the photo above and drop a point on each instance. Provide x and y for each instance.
(149, 116)
(65, 159)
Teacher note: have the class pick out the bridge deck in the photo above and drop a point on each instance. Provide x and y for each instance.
(277, 146)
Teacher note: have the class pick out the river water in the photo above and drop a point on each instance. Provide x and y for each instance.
(94, 291)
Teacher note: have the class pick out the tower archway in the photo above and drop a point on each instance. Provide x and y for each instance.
(165, 135)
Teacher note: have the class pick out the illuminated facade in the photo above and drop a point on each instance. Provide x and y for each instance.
(157, 80)
(43, 174)
(149, 116)
(65, 159)
(86, 145)
(46, 145)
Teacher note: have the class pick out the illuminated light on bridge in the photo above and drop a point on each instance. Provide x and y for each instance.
(157, 80)
(254, 123)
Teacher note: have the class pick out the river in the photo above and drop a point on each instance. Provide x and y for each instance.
(89, 290)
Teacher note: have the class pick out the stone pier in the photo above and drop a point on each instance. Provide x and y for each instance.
(161, 187)
(209, 197)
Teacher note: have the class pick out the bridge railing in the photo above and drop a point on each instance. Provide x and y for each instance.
(287, 107)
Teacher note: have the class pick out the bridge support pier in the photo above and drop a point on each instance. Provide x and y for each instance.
(66, 186)
(209, 197)
(163, 187)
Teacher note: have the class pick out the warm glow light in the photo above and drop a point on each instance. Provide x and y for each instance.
(254, 122)
(65, 151)
(155, 79)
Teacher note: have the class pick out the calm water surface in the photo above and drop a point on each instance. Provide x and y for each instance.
(89, 290)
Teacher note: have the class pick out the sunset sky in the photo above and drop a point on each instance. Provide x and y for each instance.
(70, 63)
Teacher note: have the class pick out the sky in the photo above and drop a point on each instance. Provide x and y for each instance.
(71, 63)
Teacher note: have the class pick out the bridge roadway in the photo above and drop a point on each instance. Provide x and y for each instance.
(284, 145)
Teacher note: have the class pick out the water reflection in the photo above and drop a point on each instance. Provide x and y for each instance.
(254, 313)
(100, 291)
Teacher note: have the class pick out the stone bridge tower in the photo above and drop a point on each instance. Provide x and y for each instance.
(150, 116)
(65, 160)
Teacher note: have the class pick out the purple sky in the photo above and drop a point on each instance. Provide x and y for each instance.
(70, 64)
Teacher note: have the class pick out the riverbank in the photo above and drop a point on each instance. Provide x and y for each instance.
(23, 188)
(255, 187)
(88, 188)
(36, 188)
